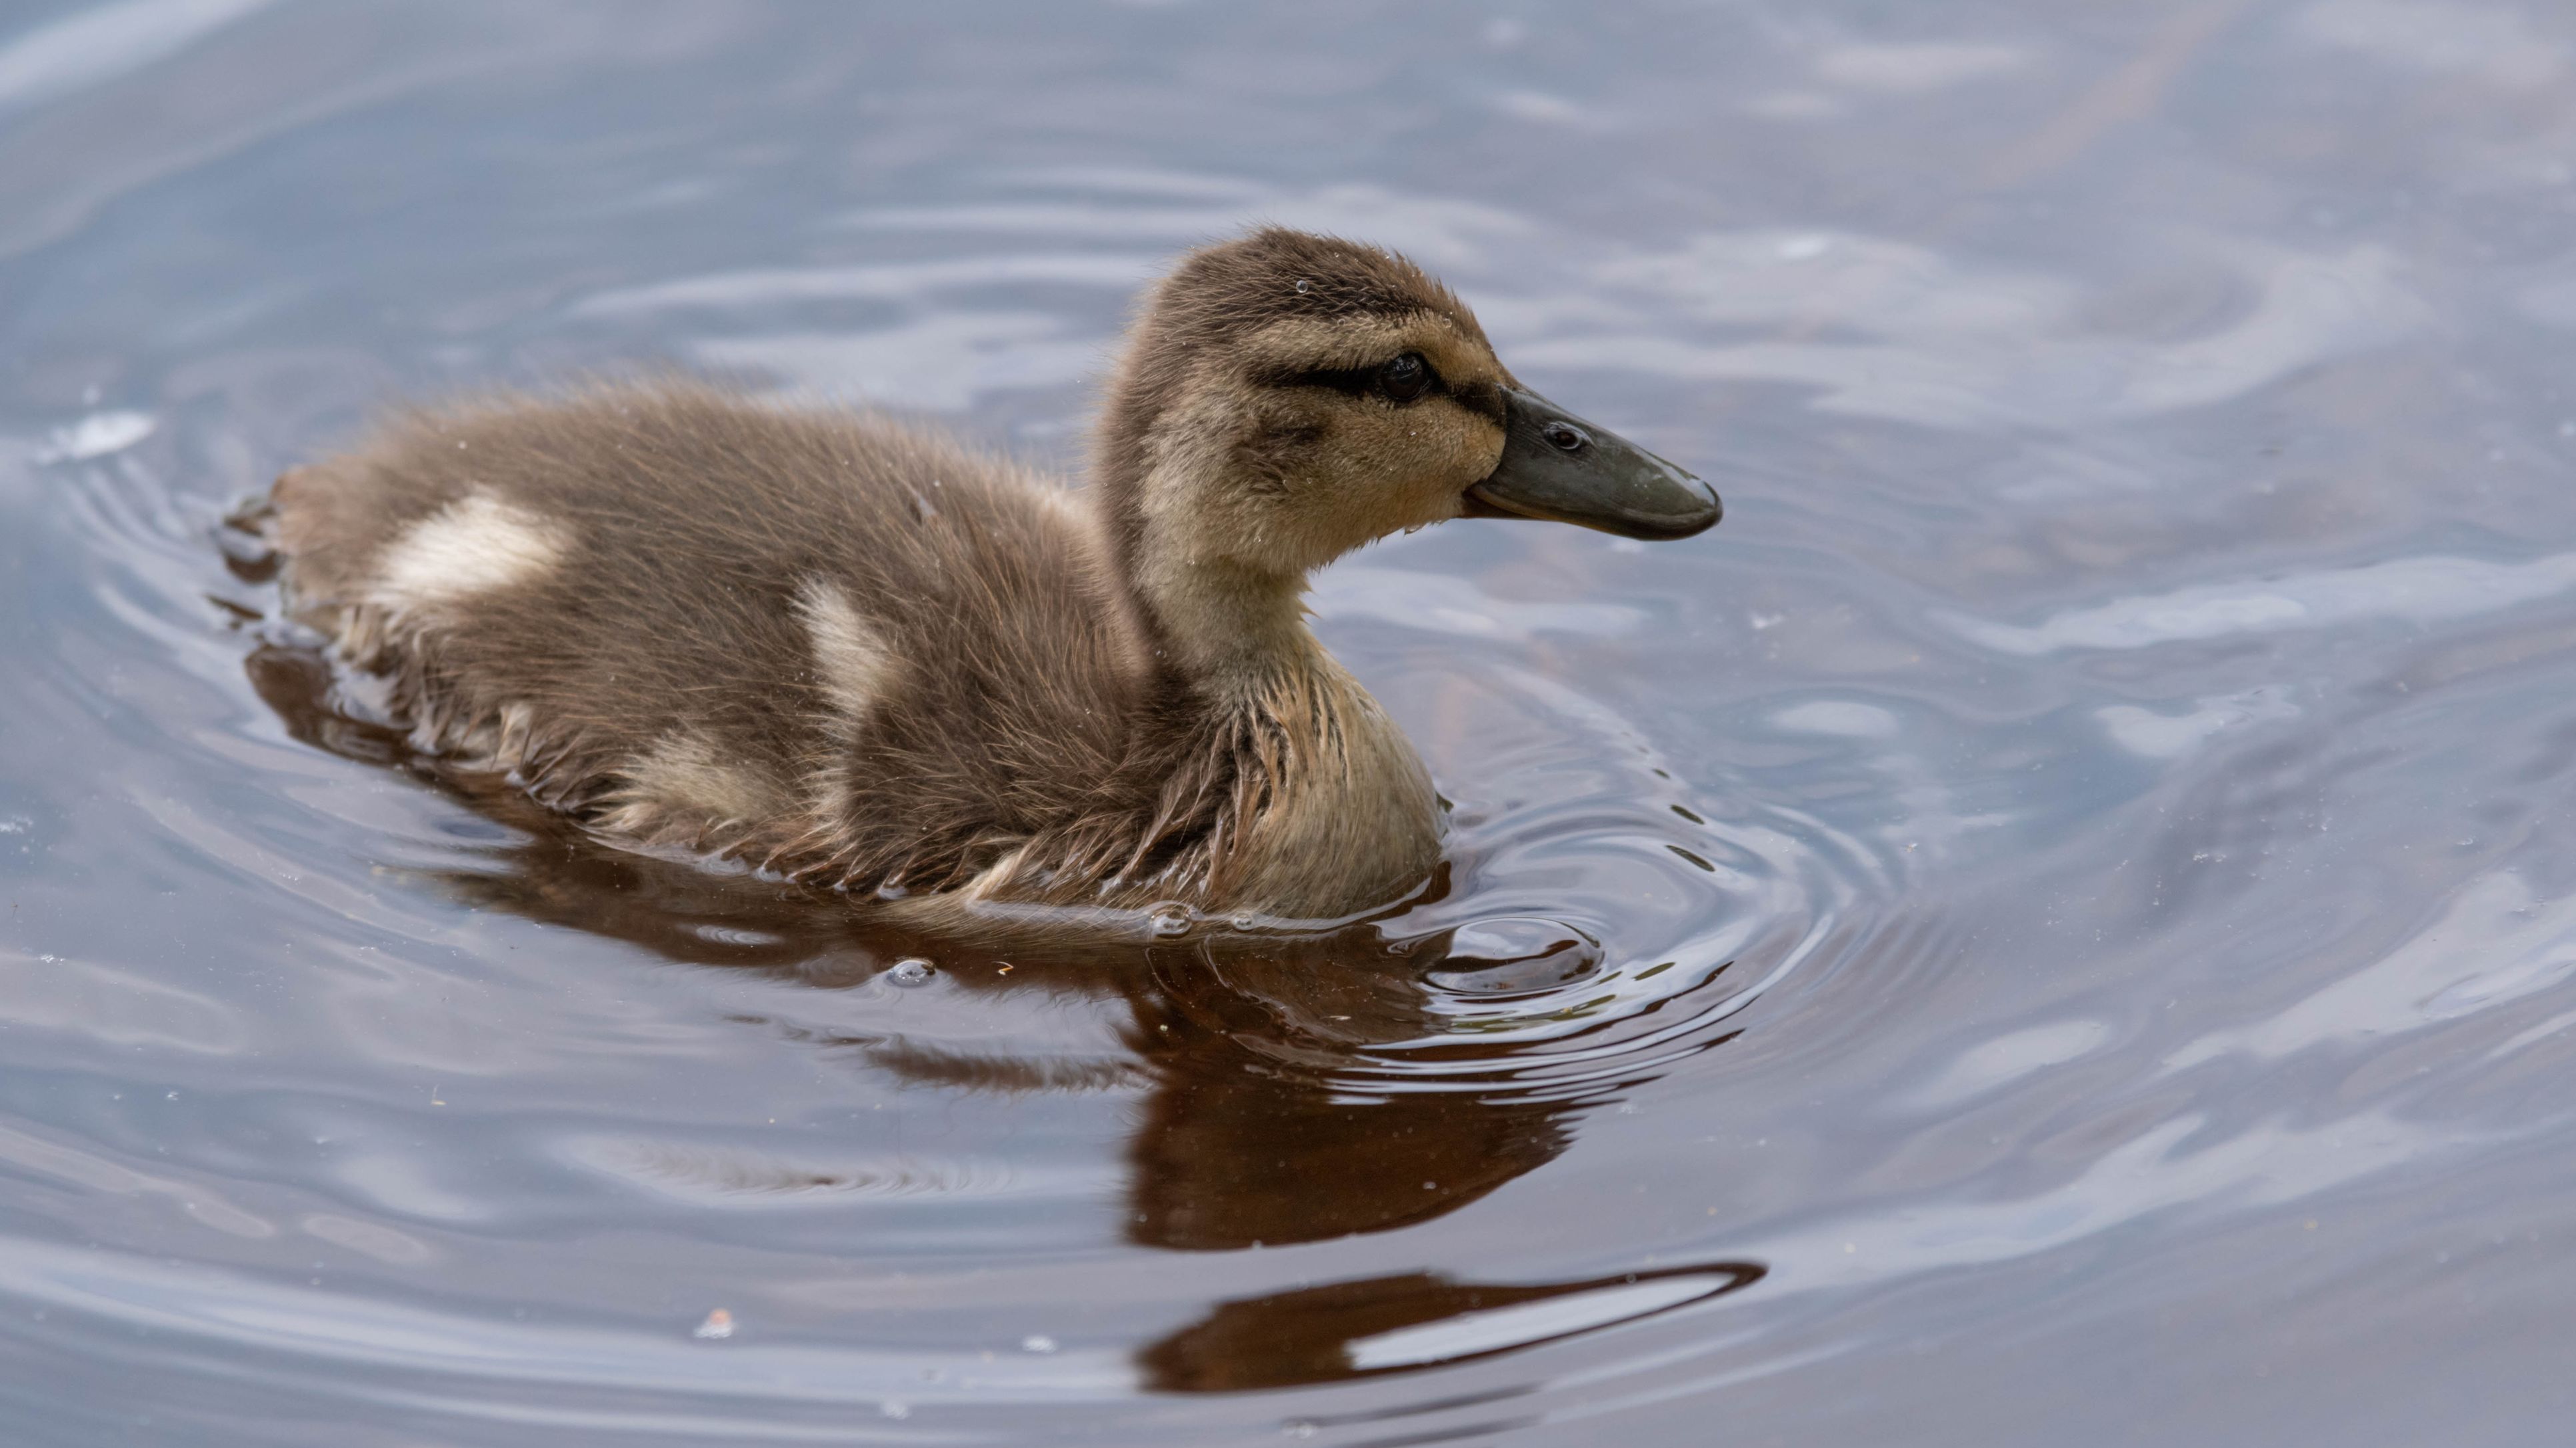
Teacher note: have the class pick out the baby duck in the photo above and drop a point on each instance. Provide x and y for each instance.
(861, 655)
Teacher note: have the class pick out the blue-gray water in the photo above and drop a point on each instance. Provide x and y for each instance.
(2085, 918)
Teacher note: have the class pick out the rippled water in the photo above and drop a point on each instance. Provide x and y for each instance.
(2052, 924)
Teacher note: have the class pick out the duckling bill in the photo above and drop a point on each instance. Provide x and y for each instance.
(865, 656)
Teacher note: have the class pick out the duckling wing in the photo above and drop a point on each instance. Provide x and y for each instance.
(824, 640)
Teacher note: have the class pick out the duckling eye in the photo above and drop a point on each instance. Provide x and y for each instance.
(1405, 378)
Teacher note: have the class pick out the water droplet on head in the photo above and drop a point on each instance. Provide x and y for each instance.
(1169, 919)
(1304, 285)
(910, 971)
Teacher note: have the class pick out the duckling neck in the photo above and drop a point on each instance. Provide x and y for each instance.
(1227, 628)
(1346, 818)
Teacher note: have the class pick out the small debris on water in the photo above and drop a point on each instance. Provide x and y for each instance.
(1037, 1342)
(895, 1408)
(909, 972)
(717, 1327)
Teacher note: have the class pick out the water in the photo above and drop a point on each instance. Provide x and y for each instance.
(2054, 923)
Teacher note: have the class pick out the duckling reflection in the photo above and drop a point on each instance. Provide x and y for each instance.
(1248, 1135)
(1270, 1117)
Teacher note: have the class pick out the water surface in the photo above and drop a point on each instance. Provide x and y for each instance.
(2051, 924)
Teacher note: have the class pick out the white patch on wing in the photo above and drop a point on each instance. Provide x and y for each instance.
(474, 545)
(850, 655)
(682, 774)
(994, 876)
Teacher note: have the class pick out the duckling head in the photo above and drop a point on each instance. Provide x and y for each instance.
(1288, 397)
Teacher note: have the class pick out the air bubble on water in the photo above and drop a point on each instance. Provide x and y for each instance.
(910, 971)
(1037, 1342)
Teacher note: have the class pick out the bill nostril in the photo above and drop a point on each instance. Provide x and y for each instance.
(1564, 436)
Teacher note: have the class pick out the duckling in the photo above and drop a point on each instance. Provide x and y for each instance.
(858, 654)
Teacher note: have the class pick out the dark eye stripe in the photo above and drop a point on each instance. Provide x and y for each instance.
(1484, 398)
(1364, 382)
(1353, 380)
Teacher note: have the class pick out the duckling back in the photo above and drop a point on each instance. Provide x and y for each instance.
(823, 643)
